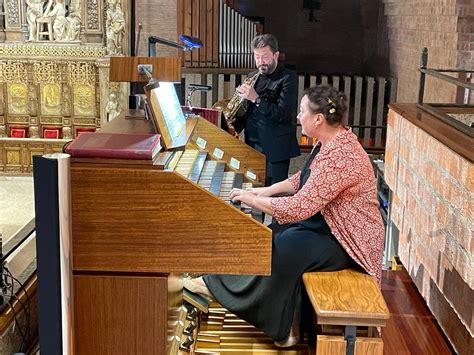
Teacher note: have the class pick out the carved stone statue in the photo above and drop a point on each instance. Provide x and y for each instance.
(115, 28)
(73, 26)
(34, 10)
(58, 13)
(112, 107)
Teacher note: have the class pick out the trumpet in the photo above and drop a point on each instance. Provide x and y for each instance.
(236, 102)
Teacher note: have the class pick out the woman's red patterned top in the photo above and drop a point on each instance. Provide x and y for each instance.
(342, 186)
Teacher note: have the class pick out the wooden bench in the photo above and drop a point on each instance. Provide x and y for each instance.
(347, 304)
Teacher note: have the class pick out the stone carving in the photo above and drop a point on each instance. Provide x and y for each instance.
(58, 15)
(92, 15)
(73, 26)
(3, 131)
(113, 107)
(115, 28)
(34, 10)
(65, 28)
(16, 50)
(12, 19)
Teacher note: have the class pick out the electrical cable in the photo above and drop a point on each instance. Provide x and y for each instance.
(9, 286)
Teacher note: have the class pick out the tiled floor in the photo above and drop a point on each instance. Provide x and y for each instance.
(16, 203)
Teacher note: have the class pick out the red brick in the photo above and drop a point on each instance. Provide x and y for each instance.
(464, 235)
(441, 212)
(469, 182)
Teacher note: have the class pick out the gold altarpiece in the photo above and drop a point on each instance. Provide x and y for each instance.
(54, 74)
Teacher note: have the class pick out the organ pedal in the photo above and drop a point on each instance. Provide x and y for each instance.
(221, 332)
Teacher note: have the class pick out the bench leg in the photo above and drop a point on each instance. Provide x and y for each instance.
(339, 345)
(350, 338)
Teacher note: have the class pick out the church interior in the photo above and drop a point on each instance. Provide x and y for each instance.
(95, 246)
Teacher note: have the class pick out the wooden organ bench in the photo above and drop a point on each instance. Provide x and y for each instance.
(349, 307)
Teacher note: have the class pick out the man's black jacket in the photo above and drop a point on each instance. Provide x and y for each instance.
(271, 124)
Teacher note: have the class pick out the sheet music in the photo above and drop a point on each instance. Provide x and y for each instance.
(171, 108)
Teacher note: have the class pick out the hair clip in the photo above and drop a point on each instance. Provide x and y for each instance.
(333, 105)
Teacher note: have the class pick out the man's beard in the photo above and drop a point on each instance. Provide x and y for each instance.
(267, 68)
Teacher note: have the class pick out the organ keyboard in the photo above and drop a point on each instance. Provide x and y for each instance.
(138, 227)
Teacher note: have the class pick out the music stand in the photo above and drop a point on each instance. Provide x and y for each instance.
(145, 69)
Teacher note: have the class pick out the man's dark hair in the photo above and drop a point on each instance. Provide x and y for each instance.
(265, 40)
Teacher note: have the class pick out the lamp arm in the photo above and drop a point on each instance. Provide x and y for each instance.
(153, 39)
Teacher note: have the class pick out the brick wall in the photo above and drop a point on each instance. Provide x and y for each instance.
(445, 27)
(432, 206)
(158, 18)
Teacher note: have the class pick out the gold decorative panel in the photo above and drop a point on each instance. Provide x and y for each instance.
(54, 51)
(13, 71)
(13, 157)
(57, 78)
(84, 100)
(18, 98)
(16, 155)
(50, 99)
(18, 119)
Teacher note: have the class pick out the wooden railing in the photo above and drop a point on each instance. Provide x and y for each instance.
(368, 97)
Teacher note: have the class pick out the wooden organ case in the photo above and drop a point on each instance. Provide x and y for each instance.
(137, 226)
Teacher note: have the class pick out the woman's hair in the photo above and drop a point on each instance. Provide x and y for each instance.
(329, 101)
(265, 40)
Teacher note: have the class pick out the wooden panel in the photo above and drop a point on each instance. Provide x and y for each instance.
(346, 297)
(209, 33)
(336, 345)
(121, 213)
(368, 111)
(164, 68)
(130, 121)
(195, 18)
(9, 314)
(454, 139)
(335, 82)
(120, 314)
(380, 110)
(215, 33)
(187, 21)
(330, 345)
(249, 158)
(180, 24)
(347, 92)
(203, 32)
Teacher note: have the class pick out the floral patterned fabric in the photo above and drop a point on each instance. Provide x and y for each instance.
(342, 186)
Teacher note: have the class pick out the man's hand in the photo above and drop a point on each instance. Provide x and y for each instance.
(247, 92)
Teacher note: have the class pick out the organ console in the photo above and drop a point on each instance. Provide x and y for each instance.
(139, 226)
